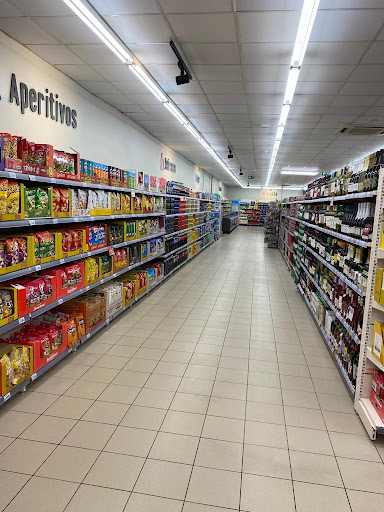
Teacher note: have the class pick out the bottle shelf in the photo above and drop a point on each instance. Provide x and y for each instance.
(350, 239)
(335, 271)
(330, 305)
(329, 199)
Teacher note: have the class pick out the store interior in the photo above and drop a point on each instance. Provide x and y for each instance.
(191, 255)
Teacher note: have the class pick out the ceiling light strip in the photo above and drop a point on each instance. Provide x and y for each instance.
(307, 18)
(86, 15)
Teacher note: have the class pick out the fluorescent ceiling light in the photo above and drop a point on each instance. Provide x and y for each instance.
(307, 18)
(148, 82)
(98, 28)
(300, 173)
(284, 114)
(293, 76)
(295, 168)
(192, 130)
(279, 133)
(175, 112)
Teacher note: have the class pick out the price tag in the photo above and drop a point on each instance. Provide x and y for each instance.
(114, 275)
(21, 320)
(33, 377)
(76, 219)
(62, 260)
(101, 281)
(89, 254)
(32, 177)
(91, 218)
(133, 193)
(53, 180)
(32, 222)
(107, 321)
(60, 301)
(12, 175)
(55, 221)
(88, 336)
(87, 288)
(7, 397)
(37, 268)
(70, 350)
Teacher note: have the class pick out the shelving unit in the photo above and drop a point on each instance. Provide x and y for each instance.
(293, 247)
(253, 213)
(271, 231)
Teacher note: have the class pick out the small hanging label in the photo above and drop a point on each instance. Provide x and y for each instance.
(33, 377)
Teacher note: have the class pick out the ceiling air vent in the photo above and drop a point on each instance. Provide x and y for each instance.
(361, 130)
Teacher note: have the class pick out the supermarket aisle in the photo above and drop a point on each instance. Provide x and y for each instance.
(215, 393)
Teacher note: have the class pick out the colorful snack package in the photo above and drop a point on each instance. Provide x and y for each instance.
(48, 286)
(40, 283)
(40, 156)
(2, 254)
(25, 362)
(16, 364)
(36, 246)
(23, 253)
(3, 196)
(66, 241)
(80, 326)
(42, 199)
(47, 244)
(73, 240)
(12, 252)
(13, 197)
(30, 199)
(64, 200)
(54, 337)
(83, 199)
(56, 200)
(45, 346)
(71, 332)
(79, 239)
(7, 369)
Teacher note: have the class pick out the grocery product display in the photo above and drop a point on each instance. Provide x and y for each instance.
(253, 213)
(271, 226)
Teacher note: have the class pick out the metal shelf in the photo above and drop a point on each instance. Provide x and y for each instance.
(335, 271)
(329, 199)
(377, 305)
(170, 235)
(66, 220)
(346, 238)
(186, 245)
(368, 415)
(329, 345)
(54, 263)
(185, 213)
(330, 305)
(375, 361)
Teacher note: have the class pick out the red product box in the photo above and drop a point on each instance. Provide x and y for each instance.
(69, 278)
(377, 393)
(35, 292)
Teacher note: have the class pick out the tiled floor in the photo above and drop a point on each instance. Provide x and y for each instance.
(215, 393)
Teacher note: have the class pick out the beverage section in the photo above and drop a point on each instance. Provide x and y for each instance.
(331, 239)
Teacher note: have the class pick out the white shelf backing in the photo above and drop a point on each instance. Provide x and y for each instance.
(368, 415)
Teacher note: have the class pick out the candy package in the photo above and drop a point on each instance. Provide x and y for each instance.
(7, 369)
(91, 270)
(2, 254)
(6, 304)
(56, 200)
(64, 200)
(3, 196)
(13, 198)
(12, 252)
(42, 199)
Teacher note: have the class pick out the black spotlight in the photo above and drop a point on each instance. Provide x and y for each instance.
(185, 75)
(241, 172)
(230, 154)
(248, 184)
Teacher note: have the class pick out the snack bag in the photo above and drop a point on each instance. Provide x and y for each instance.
(17, 368)
(42, 199)
(71, 332)
(40, 156)
(12, 252)
(7, 368)
(73, 240)
(45, 346)
(83, 199)
(22, 249)
(30, 199)
(64, 200)
(80, 326)
(25, 362)
(46, 244)
(56, 200)
(3, 196)
(2, 254)
(54, 337)
(13, 197)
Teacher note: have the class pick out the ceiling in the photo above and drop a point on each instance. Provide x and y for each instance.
(239, 53)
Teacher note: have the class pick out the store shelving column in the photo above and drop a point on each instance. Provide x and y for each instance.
(372, 311)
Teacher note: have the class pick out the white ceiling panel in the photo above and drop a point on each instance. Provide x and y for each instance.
(364, 88)
(334, 53)
(347, 25)
(230, 109)
(68, 29)
(211, 53)
(217, 73)
(94, 53)
(312, 99)
(233, 117)
(265, 99)
(196, 109)
(264, 88)
(223, 87)
(55, 54)
(266, 53)
(266, 110)
(227, 99)
(116, 99)
(80, 72)
(318, 87)
(363, 101)
(7, 10)
(124, 7)
(100, 87)
(369, 73)
(128, 87)
(142, 99)
(25, 31)
(375, 54)
(172, 88)
(265, 5)
(264, 26)
(335, 73)
(345, 110)
(184, 6)
(266, 73)
(116, 73)
(153, 53)
(42, 7)
(204, 28)
(189, 99)
(139, 29)
(129, 108)
(307, 109)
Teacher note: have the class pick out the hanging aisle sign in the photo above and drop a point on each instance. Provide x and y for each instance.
(166, 164)
(40, 103)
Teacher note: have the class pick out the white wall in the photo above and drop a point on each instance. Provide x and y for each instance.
(103, 134)
(238, 193)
